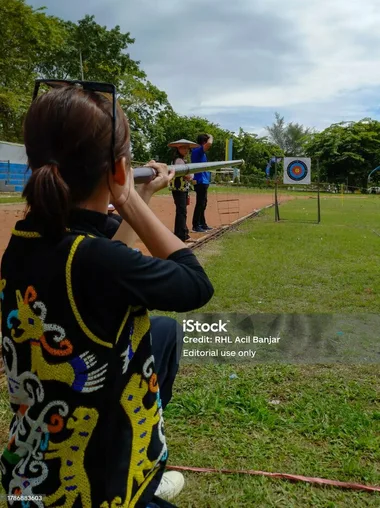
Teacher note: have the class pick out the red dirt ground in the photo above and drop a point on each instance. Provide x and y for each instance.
(221, 209)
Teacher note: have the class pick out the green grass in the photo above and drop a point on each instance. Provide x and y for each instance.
(291, 266)
(8, 199)
(326, 424)
(326, 420)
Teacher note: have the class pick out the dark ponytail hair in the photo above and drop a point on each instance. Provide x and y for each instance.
(67, 135)
(48, 197)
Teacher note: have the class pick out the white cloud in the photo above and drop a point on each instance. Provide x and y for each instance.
(336, 41)
(238, 62)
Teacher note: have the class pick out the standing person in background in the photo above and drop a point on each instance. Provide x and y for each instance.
(180, 187)
(202, 182)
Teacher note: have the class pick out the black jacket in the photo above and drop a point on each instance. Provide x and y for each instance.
(87, 426)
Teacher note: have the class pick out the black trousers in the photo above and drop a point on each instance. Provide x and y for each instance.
(180, 226)
(199, 219)
(167, 340)
(167, 337)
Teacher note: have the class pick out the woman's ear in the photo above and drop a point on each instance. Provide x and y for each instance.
(120, 175)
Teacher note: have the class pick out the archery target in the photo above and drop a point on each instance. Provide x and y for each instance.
(297, 170)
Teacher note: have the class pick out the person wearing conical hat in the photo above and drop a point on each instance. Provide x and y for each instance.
(180, 187)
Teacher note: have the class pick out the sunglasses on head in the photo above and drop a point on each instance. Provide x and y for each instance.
(91, 86)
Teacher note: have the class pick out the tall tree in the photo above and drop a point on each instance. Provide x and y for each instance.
(101, 51)
(104, 57)
(170, 126)
(27, 37)
(289, 137)
(36, 45)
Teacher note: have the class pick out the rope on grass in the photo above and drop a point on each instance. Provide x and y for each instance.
(281, 476)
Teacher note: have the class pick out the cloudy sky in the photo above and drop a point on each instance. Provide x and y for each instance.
(236, 62)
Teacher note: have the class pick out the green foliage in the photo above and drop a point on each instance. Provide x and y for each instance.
(102, 53)
(256, 153)
(289, 137)
(142, 103)
(170, 126)
(37, 45)
(347, 151)
(27, 37)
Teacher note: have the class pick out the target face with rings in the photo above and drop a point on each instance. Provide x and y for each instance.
(297, 170)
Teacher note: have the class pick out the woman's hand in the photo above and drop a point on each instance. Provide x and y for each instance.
(164, 176)
(124, 195)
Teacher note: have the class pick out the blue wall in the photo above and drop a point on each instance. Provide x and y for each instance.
(15, 175)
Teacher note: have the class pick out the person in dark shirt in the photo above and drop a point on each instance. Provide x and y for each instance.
(180, 187)
(89, 372)
(201, 184)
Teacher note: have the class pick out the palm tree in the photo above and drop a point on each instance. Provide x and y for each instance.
(289, 137)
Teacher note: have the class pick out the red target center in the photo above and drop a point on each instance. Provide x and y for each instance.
(297, 170)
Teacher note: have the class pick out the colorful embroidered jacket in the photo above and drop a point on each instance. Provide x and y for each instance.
(179, 183)
(87, 429)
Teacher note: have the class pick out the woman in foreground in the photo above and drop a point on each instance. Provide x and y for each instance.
(88, 372)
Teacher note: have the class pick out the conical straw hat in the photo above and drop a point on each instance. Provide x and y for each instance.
(183, 142)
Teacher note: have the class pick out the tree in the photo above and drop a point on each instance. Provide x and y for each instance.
(169, 126)
(347, 151)
(102, 52)
(36, 45)
(104, 58)
(289, 137)
(142, 103)
(27, 37)
(256, 153)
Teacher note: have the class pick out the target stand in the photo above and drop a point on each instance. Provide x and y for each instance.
(297, 171)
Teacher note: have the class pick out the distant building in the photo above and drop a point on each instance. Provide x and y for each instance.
(14, 172)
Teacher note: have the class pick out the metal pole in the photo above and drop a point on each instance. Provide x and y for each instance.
(276, 211)
(319, 200)
(146, 174)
